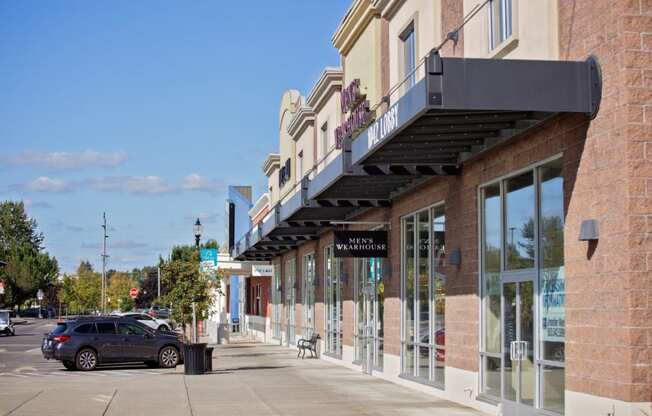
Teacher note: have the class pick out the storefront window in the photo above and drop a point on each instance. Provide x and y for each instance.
(333, 302)
(519, 218)
(276, 302)
(370, 302)
(290, 301)
(424, 293)
(522, 228)
(308, 296)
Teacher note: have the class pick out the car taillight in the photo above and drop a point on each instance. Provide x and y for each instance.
(61, 338)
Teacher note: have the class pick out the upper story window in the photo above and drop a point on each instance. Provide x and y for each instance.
(500, 22)
(408, 55)
(324, 139)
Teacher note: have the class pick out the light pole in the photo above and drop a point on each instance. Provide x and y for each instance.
(197, 229)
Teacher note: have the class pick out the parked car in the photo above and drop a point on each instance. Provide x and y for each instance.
(6, 327)
(147, 320)
(85, 343)
(159, 312)
(34, 313)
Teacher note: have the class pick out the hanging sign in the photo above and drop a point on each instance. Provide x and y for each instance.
(360, 244)
(208, 261)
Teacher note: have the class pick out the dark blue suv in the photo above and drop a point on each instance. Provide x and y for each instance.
(84, 343)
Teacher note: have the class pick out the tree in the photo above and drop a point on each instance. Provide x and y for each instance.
(28, 267)
(149, 286)
(118, 292)
(186, 285)
(82, 292)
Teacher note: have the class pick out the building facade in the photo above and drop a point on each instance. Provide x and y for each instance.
(503, 147)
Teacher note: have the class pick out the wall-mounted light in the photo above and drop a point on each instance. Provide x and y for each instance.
(589, 230)
(455, 258)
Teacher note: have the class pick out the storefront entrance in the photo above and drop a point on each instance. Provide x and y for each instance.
(290, 300)
(370, 296)
(518, 372)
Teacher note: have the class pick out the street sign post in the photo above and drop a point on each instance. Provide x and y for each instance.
(39, 296)
(133, 293)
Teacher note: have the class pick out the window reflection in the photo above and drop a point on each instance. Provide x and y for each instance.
(519, 227)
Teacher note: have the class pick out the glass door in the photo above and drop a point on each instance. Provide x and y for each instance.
(518, 372)
(290, 300)
(370, 303)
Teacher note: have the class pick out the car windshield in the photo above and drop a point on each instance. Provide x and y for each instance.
(4, 317)
(59, 329)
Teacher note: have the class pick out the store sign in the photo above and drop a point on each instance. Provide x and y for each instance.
(553, 313)
(258, 270)
(382, 127)
(360, 244)
(354, 105)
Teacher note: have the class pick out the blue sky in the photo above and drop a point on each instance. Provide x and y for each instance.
(146, 110)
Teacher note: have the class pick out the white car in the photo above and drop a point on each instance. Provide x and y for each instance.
(143, 318)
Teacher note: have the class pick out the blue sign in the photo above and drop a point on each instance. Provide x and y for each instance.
(208, 261)
(208, 254)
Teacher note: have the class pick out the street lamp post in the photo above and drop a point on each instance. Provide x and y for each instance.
(197, 229)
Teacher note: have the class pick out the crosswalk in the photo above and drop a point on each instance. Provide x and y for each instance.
(61, 373)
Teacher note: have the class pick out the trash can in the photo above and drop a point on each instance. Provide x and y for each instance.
(208, 359)
(193, 359)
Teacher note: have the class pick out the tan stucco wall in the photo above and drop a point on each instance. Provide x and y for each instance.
(330, 113)
(272, 187)
(541, 43)
(426, 15)
(363, 62)
(287, 150)
(305, 144)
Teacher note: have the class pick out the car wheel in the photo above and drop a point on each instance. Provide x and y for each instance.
(86, 360)
(163, 328)
(70, 365)
(168, 357)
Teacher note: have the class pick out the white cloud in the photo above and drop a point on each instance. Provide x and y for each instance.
(67, 160)
(131, 184)
(136, 185)
(194, 182)
(46, 184)
(37, 204)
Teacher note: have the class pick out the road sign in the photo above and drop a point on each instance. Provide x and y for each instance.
(133, 292)
(39, 295)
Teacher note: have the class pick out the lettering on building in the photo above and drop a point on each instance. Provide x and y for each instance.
(356, 109)
(382, 127)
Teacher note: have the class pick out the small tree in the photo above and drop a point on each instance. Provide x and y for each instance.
(186, 285)
(118, 292)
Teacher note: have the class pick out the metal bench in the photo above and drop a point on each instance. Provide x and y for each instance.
(308, 344)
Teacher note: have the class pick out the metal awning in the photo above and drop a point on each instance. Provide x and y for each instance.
(460, 109)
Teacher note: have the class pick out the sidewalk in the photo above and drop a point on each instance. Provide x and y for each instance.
(248, 379)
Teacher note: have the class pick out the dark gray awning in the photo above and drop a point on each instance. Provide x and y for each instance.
(460, 108)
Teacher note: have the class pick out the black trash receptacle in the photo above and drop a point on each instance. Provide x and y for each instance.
(208, 357)
(193, 359)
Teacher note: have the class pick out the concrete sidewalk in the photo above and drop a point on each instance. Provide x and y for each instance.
(248, 379)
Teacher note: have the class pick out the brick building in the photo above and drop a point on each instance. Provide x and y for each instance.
(509, 164)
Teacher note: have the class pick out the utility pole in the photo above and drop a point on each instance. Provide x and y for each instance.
(104, 257)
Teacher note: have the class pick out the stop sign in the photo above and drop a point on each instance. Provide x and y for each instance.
(133, 292)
